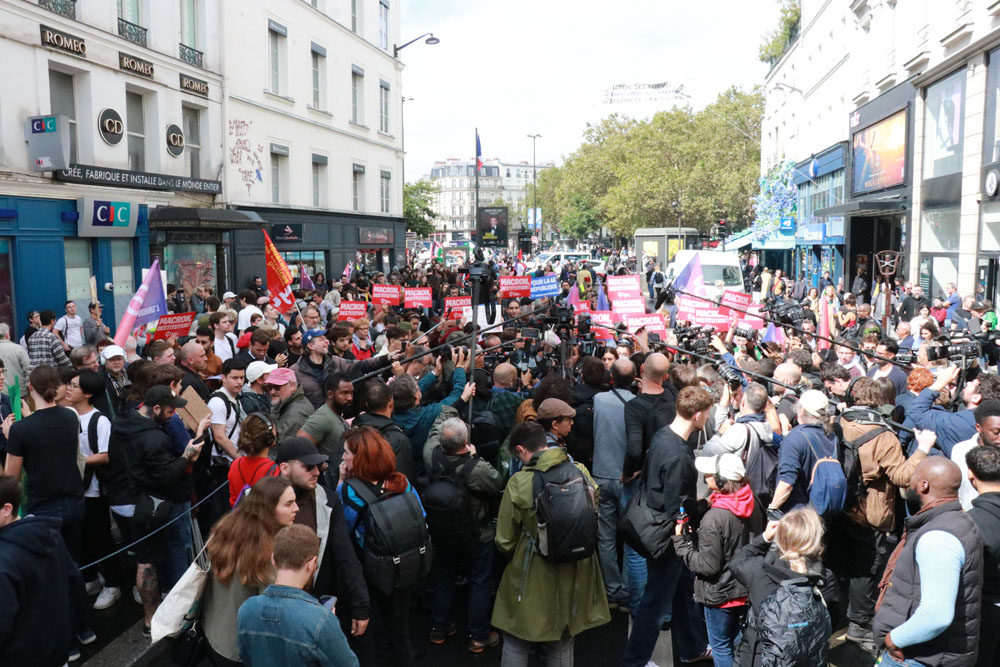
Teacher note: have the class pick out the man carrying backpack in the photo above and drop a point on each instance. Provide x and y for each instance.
(547, 598)
(460, 502)
(876, 468)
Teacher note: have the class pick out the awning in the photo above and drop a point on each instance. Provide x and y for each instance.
(862, 208)
(737, 243)
(172, 217)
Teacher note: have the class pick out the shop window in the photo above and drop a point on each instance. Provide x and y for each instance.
(192, 141)
(936, 271)
(944, 121)
(121, 273)
(6, 286)
(62, 99)
(136, 126)
(314, 262)
(939, 229)
(78, 272)
(190, 265)
(989, 238)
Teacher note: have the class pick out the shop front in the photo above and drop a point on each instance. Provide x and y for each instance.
(321, 242)
(819, 240)
(988, 260)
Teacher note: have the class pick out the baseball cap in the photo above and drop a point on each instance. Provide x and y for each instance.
(258, 368)
(228, 295)
(161, 395)
(112, 351)
(728, 466)
(299, 449)
(978, 305)
(280, 377)
(553, 408)
(814, 402)
(244, 340)
(309, 334)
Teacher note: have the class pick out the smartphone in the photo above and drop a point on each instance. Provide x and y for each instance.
(529, 332)
(329, 602)
(200, 439)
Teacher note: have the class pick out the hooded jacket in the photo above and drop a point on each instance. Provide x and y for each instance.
(142, 460)
(985, 513)
(729, 524)
(396, 438)
(310, 378)
(37, 577)
(292, 413)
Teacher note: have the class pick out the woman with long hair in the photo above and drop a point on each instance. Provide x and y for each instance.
(369, 458)
(239, 550)
(798, 538)
(257, 435)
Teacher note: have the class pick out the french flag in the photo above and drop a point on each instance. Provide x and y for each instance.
(479, 153)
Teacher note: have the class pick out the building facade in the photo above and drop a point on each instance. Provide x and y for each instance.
(313, 133)
(912, 88)
(117, 111)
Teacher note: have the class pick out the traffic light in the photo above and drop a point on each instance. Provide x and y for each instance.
(722, 229)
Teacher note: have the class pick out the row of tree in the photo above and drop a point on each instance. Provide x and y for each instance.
(699, 167)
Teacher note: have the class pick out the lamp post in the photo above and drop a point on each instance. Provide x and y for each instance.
(534, 190)
(431, 39)
(676, 205)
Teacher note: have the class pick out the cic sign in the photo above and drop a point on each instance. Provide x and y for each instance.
(106, 218)
(48, 142)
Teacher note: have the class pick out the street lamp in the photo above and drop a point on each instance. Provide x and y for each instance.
(534, 189)
(676, 205)
(431, 39)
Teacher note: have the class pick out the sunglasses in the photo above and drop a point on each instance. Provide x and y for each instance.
(314, 466)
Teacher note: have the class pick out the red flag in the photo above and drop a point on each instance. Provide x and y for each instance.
(520, 254)
(279, 277)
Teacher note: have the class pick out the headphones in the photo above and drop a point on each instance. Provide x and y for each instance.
(270, 425)
(849, 394)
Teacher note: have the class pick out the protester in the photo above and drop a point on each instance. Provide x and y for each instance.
(257, 436)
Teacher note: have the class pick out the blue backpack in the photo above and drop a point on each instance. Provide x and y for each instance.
(828, 484)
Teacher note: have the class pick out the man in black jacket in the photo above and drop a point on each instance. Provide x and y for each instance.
(912, 304)
(378, 414)
(162, 488)
(984, 473)
(338, 571)
(192, 359)
(671, 478)
(648, 412)
(116, 383)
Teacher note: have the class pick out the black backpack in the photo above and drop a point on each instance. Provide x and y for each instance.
(486, 434)
(567, 514)
(761, 466)
(850, 452)
(447, 502)
(793, 626)
(397, 549)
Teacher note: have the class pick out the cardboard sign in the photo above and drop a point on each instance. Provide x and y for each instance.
(454, 306)
(635, 306)
(352, 310)
(385, 295)
(418, 297)
(515, 286)
(194, 411)
(602, 322)
(624, 287)
(170, 326)
(653, 323)
(544, 286)
(736, 299)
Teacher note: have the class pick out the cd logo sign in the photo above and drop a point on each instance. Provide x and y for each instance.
(111, 127)
(175, 140)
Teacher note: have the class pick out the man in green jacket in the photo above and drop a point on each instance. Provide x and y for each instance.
(539, 601)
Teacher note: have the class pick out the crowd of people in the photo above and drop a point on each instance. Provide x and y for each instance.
(345, 476)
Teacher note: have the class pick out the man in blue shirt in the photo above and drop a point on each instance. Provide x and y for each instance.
(285, 625)
(800, 449)
(951, 427)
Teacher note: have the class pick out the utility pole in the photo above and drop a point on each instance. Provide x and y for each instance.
(534, 188)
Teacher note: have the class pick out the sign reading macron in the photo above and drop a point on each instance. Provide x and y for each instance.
(106, 218)
(121, 178)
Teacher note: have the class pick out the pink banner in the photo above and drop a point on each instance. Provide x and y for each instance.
(624, 287)
(352, 310)
(171, 326)
(629, 306)
(515, 286)
(454, 306)
(602, 321)
(385, 295)
(652, 323)
(418, 297)
(735, 299)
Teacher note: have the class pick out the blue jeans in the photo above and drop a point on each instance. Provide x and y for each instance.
(610, 510)
(635, 564)
(723, 627)
(177, 555)
(478, 560)
(888, 661)
(655, 606)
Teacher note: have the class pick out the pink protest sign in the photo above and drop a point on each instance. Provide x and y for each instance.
(624, 287)
(515, 286)
(418, 297)
(735, 299)
(385, 295)
(652, 323)
(352, 310)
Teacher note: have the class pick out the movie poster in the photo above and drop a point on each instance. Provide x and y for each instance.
(491, 227)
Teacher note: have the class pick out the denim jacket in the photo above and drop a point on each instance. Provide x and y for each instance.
(287, 626)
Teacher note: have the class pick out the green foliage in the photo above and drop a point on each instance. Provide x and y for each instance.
(417, 209)
(628, 173)
(777, 41)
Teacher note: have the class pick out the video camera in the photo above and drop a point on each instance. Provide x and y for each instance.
(695, 339)
(787, 312)
(967, 350)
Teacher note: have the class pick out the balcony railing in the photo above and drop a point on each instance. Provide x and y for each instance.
(132, 32)
(190, 55)
(65, 8)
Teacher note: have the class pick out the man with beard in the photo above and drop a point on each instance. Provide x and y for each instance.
(987, 418)
(325, 427)
(338, 571)
(192, 359)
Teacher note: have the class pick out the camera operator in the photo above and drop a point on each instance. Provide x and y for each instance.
(887, 349)
(751, 428)
(951, 427)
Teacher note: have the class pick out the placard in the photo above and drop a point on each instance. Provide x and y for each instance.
(544, 286)
(454, 306)
(635, 306)
(352, 310)
(602, 323)
(385, 295)
(653, 323)
(735, 299)
(515, 286)
(624, 287)
(582, 307)
(195, 410)
(169, 326)
(418, 297)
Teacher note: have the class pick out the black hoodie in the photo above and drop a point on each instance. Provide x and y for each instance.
(142, 458)
(37, 576)
(986, 513)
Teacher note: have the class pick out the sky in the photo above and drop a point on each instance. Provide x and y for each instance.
(519, 67)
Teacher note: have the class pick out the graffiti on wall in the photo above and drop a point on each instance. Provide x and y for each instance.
(244, 155)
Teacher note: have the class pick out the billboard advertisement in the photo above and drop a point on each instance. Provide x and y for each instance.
(879, 154)
(491, 227)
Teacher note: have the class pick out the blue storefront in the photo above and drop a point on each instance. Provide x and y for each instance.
(819, 241)
(44, 262)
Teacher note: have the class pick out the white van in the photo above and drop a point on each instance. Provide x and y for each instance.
(720, 270)
(558, 257)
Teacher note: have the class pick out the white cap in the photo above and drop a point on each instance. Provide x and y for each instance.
(815, 403)
(228, 295)
(258, 368)
(112, 351)
(727, 466)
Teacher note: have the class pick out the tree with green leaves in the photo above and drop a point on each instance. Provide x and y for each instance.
(778, 40)
(417, 211)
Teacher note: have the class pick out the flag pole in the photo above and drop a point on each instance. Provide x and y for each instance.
(475, 219)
